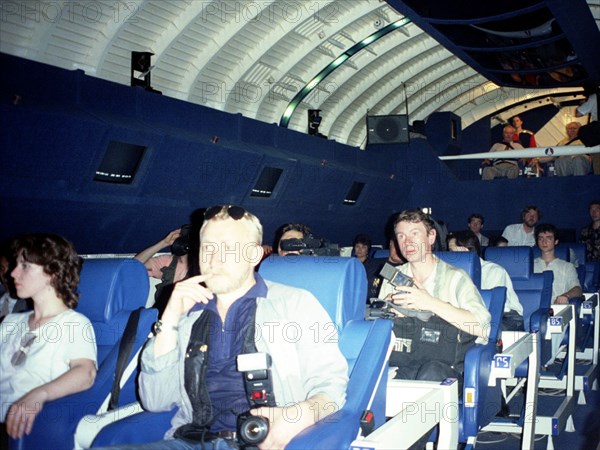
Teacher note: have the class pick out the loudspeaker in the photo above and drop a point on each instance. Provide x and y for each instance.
(141, 66)
(387, 129)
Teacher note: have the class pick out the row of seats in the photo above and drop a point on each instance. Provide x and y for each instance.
(110, 290)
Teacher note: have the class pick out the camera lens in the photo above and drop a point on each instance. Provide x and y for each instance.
(254, 429)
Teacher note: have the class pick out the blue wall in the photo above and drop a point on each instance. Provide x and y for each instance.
(55, 135)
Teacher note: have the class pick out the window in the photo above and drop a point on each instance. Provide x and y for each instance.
(353, 193)
(266, 183)
(120, 163)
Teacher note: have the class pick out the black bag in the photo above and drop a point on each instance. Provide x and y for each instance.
(590, 134)
(418, 342)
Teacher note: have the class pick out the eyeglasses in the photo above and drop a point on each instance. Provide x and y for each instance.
(20, 355)
(234, 211)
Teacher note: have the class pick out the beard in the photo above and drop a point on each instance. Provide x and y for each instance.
(224, 282)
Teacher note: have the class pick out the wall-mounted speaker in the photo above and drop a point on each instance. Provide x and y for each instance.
(387, 129)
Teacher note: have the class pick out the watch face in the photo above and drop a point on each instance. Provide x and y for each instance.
(157, 327)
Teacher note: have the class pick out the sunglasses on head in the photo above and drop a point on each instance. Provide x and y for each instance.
(19, 357)
(234, 211)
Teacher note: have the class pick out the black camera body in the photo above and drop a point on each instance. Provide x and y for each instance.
(256, 367)
(181, 245)
(383, 309)
(311, 246)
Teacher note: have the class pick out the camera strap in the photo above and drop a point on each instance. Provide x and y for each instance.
(164, 289)
(195, 371)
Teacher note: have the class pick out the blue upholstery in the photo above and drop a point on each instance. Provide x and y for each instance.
(340, 285)
(518, 261)
(110, 289)
(304, 272)
(467, 261)
(382, 253)
(560, 251)
(592, 277)
(478, 365)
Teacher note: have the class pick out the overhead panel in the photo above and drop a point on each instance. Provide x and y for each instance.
(515, 42)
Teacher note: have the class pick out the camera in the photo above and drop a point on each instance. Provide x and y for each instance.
(256, 368)
(383, 309)
(181, 245)
(311, 246)
(394, 276)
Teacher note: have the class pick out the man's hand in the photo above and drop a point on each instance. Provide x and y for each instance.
(186, 294)
(414, 297)
(285, 423)
(22, 414)
(562, 300)
(171, 237)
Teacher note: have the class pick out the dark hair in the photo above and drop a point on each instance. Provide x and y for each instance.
(530, 208)
(494, 241)
(58, 258)
(545, 228)
(475, 216)
(594, 202)
(362, 239)
(467, 239)
(304, 229)
(415, 216)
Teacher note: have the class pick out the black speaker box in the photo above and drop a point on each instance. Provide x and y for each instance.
(387, 129)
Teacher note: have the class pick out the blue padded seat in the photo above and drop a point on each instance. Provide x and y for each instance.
(560, 251)
(340, 285)
(518, 261)
(382, 253)
(467, 261)
(110, 289)
(478, 366)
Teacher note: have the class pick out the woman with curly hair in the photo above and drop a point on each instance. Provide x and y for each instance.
(49, 352)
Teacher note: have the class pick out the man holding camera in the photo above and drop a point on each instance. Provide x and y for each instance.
(459, 318)
(230, 310)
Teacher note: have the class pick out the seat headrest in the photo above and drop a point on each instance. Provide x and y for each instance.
(381, 253)
(340, 284)
(518, 261)
(108, 286)
(467, 261)
(560, 251)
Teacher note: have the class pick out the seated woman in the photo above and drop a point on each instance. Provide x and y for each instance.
(362, 247)
(49, 352)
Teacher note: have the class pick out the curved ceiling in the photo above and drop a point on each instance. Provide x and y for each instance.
(253, 57)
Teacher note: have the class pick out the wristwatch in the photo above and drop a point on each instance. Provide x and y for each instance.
(159, 326)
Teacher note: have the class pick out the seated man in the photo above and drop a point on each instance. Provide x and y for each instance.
(475, 224)
(212, 318)
(590, 235)
(576, 164)
(566, 283)
(169, 269)
(436, 350)
(523, 233)
(492, 275)
(290, 231)
(504, 167)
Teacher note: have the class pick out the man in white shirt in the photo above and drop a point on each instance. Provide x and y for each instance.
(566, 283)
(492, 275)
(523, 233)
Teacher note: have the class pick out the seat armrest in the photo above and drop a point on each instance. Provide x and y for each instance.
(335, 431)
(127, 431)
(487, 399)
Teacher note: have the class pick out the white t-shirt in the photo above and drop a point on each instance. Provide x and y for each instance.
(565, 275)
(494, 275)
(67, 337)
(516, 235)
